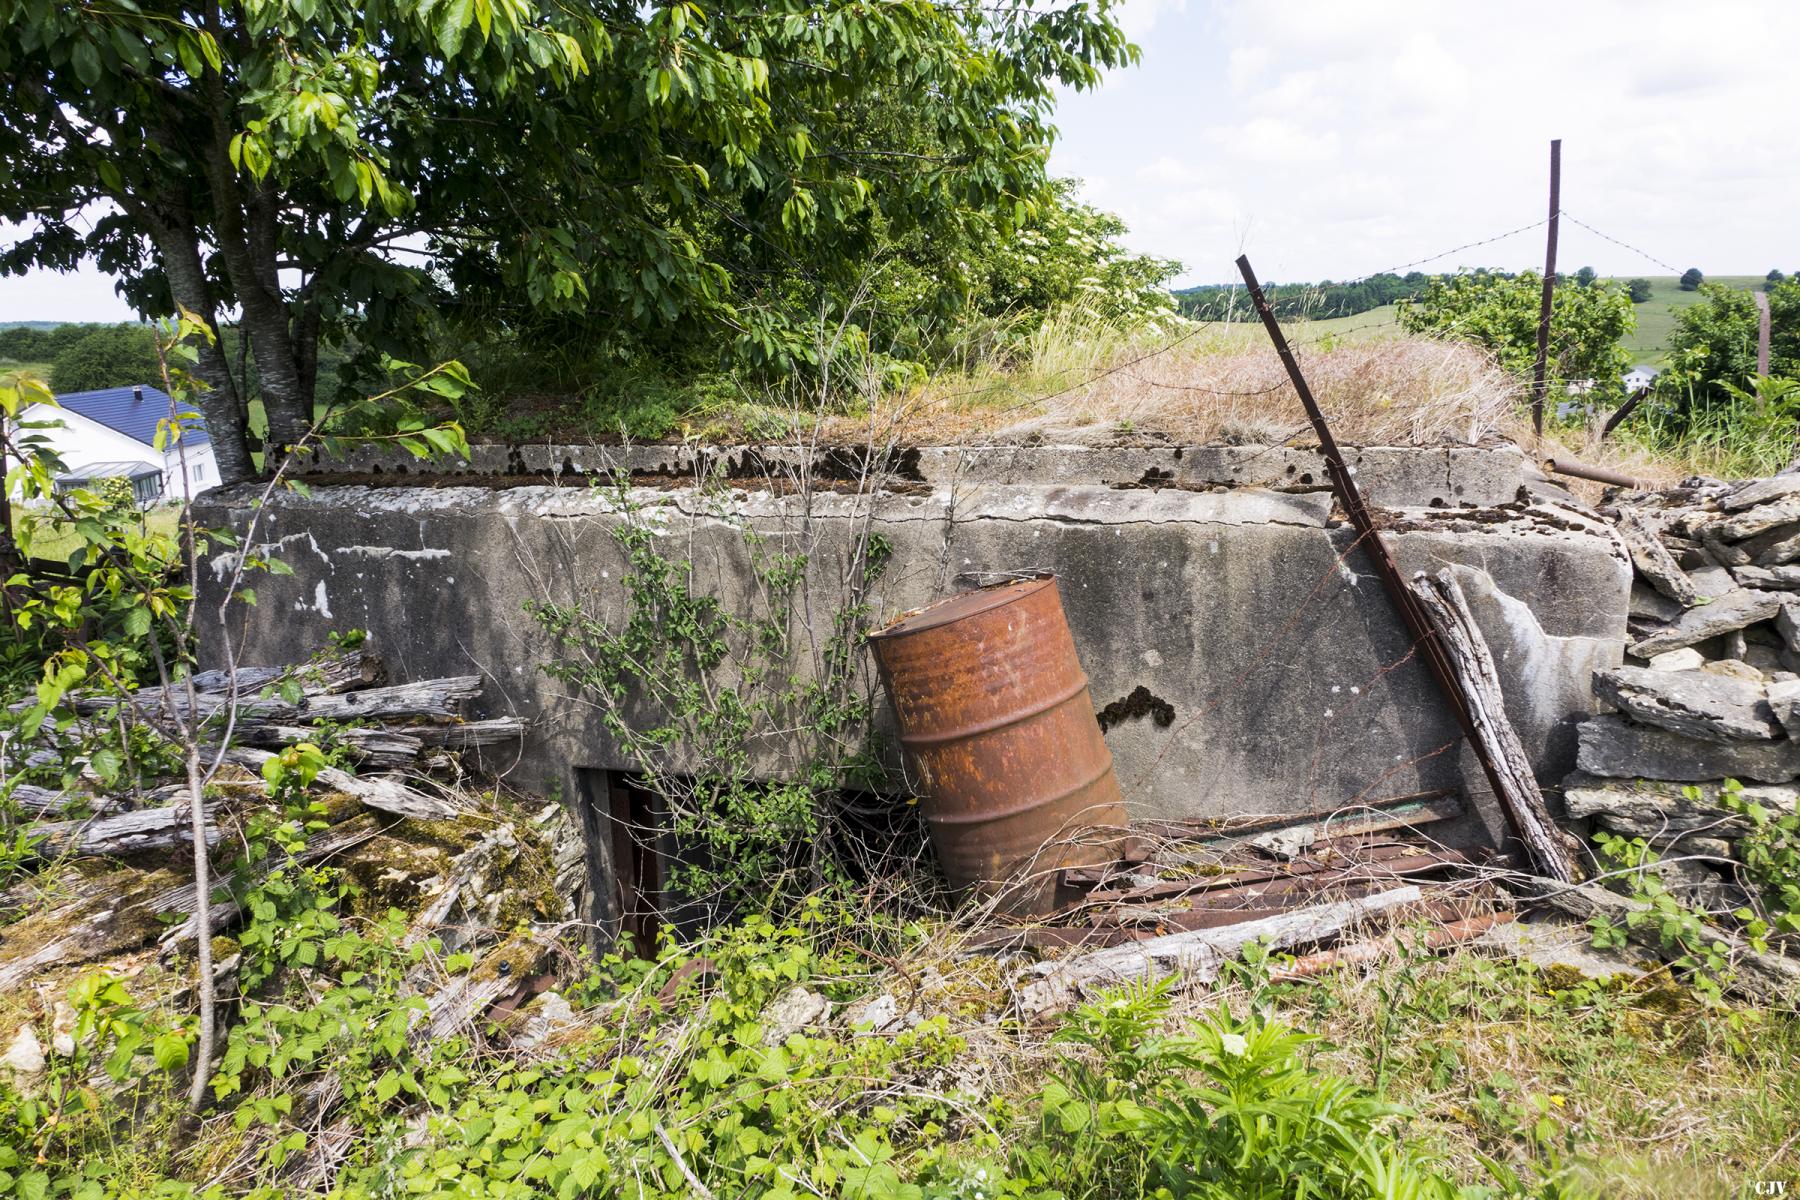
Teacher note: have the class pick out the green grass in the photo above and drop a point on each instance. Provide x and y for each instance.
(10, 371)
(1656, 316)
(162, 519)
(1373, 324)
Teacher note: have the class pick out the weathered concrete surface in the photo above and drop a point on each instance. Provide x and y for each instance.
(1393, 476)
(1281, 678)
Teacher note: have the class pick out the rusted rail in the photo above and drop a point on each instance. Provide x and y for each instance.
(1576, 470)
(1412, 613)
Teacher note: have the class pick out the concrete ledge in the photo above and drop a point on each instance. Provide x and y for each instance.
(1393, 476)
(1279, 678)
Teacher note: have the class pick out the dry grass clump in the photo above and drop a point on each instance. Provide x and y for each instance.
(1206, 384)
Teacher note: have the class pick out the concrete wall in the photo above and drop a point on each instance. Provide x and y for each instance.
(1275, 677)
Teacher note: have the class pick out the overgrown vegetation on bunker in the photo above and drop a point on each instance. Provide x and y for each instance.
(406, 1000)
(256, 943)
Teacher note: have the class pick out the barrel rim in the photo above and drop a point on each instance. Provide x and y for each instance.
(960, 607)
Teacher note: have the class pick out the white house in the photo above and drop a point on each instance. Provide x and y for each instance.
(1640, 376)
(111, 434)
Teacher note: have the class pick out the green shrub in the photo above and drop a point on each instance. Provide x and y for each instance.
(1501, 313)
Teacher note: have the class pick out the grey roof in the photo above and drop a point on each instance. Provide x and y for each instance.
(110, 470)
(132, 411)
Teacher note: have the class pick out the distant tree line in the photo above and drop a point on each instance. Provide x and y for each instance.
(1318, 301)
(1213, 302)
(87, 356)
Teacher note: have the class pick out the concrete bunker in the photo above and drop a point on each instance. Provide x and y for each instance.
(1248, 662)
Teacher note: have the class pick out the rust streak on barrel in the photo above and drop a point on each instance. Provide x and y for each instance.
(999, 730)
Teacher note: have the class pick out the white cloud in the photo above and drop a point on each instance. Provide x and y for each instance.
(1349, 137)
(1139, 17)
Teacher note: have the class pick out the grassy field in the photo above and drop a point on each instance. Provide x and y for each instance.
(11, 370)
(163, 518)
(1656, 316)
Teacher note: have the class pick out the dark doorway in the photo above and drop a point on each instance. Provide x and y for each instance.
(626, 827)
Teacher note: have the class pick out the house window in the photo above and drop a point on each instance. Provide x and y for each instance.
(199, 472)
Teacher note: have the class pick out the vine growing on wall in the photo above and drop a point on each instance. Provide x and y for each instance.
(747, 716)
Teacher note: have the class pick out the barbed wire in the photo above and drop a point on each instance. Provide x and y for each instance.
(1644, 254)
(1419, 262)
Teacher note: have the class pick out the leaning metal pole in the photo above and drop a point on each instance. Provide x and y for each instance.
(1412, 613)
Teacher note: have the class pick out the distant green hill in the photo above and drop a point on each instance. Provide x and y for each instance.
(33, 324)
(1656, 316)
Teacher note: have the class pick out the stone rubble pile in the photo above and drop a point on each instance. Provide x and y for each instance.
(1710, 687)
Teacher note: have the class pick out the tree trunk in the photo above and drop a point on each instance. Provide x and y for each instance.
(178, 245)
(245, 219)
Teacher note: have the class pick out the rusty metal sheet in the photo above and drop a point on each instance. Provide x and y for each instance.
(999, 730)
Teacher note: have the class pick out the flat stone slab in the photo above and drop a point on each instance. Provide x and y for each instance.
(1759, 492)
(1785, 578)
(1655, 565)
(1659, 808)
(1697, 704)
(1727, 614)
(1761, 519)
(1556, 945)
(1621, 749)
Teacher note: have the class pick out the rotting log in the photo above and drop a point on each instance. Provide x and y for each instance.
(1515, 787)
(381, 747)
(388, 747)
(377, 792)
(124, 833)
(181, 900)
(1197, 957)
(345, 672)
(329, 676)
(125, 908)
(49, 802)
(400, 701)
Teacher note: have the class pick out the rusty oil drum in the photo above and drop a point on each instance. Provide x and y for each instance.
(999, 732)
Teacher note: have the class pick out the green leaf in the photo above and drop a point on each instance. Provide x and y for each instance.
(86, 59)
(170, 1051)
(454, 18)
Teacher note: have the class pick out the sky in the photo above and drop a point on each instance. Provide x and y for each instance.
(1331, 139)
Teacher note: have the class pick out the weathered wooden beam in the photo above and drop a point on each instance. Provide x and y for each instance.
(1515, 787)
(344, 672)
(123, 833)
(379, 792)
(1197, 957)
(402, 701)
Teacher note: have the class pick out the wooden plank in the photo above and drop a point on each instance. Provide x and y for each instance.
(1515, 787)
(1197, 957)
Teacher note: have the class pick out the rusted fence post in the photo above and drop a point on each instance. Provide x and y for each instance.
(1540, 367)
(1762, 334)
(1413, 615)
